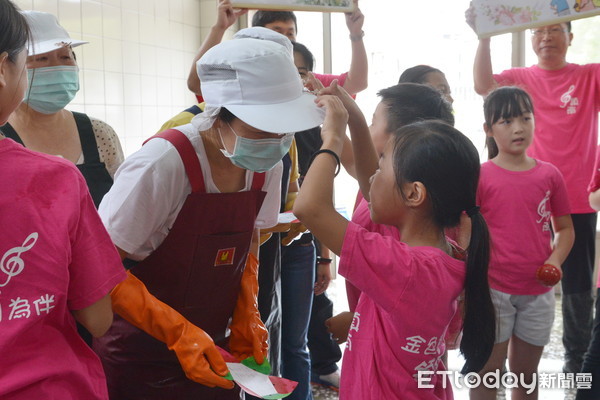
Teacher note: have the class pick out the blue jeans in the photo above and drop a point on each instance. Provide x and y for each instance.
(297, 286)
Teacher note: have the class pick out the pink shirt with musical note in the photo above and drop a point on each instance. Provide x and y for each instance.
(407, 303)
(56, 257)
(518, 206)
(566, 103)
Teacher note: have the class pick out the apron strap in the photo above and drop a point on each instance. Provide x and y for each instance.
(258, 180)
(10, 133)
(89, 147)
(188, 156)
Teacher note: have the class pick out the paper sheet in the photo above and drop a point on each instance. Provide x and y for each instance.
(251, 380)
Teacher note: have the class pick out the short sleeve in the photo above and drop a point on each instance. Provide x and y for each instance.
(380, 266)
(109, 146)
(149, 190)
(595, 182)
(326, 79)
(95, 266)
(560, 200)
(506, 77)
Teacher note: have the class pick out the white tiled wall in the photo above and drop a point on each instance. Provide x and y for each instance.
(134, 70)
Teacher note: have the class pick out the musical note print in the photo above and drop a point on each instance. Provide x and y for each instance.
(12, 264)
(566, 97)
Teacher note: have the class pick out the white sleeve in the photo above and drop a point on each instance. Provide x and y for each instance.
(149, 190)
(269, 212)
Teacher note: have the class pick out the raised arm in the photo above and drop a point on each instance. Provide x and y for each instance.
(483, 76)
(366, 159)
(357, 79)
(314, 204)
(226, 16)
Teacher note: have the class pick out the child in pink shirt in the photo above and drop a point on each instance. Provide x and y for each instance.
(426, 177)
(57, 262)
(523, 201)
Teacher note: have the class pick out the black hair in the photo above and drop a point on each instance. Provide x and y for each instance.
(504, 103)
(411, 102)
(568, 26)
(309, 59)
(417, 74)
(14, 31)
(447, 164)
(262, 17)
(225, 115)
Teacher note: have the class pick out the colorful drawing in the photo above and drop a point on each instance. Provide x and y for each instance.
(586, 5)
(561, 7)
(508, 16)
(300, 5)
(494, 17)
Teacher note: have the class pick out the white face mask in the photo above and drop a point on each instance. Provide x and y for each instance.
(258, 155)
(51, 88)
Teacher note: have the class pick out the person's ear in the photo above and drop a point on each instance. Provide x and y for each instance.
(488, 130)
(570, 38)
(3, 68)
(415, 194)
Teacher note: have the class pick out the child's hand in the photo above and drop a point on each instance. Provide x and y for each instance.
(313, 84)
(336, 118)
(323, 278)
(339, 326)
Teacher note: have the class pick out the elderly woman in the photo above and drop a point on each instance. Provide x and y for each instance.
(185, 212)
(41, 122)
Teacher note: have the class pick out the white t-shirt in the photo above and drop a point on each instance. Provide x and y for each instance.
(152, 185)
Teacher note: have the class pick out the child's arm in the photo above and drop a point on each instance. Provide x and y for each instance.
(564, 236)
(96, 318)
(366, 159)
(314, 204)
(595, 200)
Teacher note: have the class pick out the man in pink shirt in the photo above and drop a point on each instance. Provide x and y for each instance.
(567, 101)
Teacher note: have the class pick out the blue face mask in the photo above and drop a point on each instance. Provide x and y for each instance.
(51, 88)
(258, 155)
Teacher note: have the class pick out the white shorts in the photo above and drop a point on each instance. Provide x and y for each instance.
(529, 317)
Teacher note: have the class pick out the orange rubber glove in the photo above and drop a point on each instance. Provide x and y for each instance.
(196, 351)
(248, 333)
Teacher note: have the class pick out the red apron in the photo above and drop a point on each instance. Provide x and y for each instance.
(197, 271)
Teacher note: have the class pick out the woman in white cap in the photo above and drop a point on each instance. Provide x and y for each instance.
(41, 122)
(57, 263)
(185, 213)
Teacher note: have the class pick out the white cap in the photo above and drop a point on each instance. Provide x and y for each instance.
(260, 32)
(46, 33)
(258, 82)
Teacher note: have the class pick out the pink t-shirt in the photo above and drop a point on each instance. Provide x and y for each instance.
(362, 217)
(326, 79)
(566, 102)
(517, 206)
(56, 257)
(407, 302)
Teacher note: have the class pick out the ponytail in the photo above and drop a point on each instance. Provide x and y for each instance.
(479, 328)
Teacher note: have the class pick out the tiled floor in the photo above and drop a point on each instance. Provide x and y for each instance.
(551, 364)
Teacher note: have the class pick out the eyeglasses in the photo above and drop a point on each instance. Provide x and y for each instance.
(553, 32)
